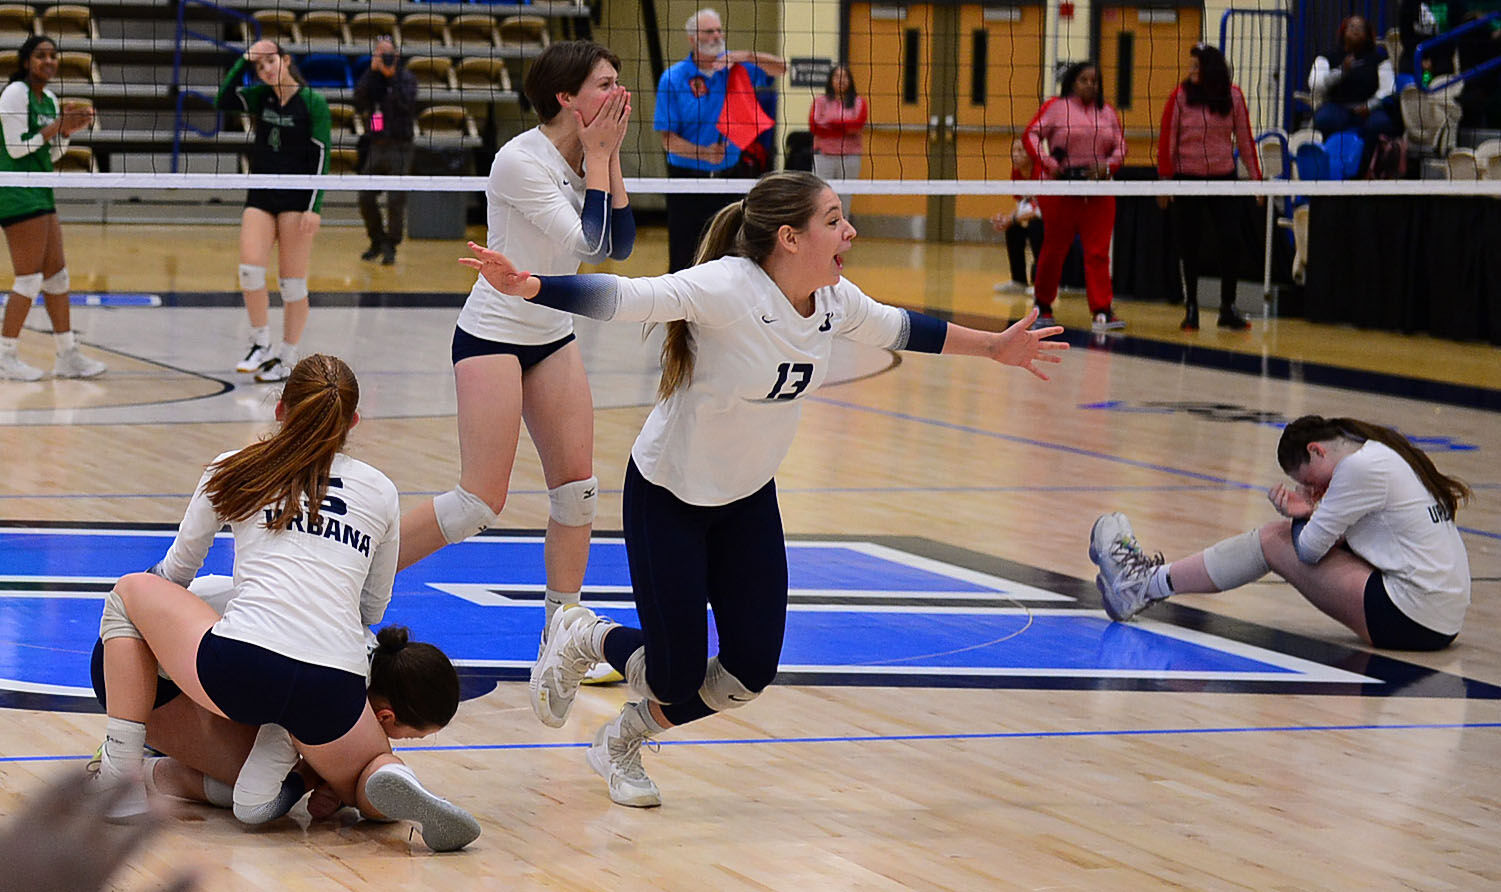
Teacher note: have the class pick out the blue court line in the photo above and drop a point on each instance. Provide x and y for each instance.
(898, 738)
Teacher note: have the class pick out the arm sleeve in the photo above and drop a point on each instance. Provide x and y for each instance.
(15, 118)
(1386, 80)
(195, 535)
(320, 127)
(1241, 121)
(528, 189)
(1118, 152)
(237, 98)
(1357, 489)
(622, 232)
(689, 295)
(1320, 77)
(1033, 136)
(1167, 137)
(375, 595)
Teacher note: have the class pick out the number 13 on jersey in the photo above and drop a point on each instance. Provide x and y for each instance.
(800, 373)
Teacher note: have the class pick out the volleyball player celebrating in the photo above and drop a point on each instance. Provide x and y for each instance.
(36, 134)
(291, 136)
(1370, 540)
(750, 332)
(556, 196)
(315, 554)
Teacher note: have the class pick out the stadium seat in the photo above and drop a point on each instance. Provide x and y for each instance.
(424, 30)
(1485, 157)
(324, 24)
(366, 27)
(432, 71)
(326, 70)
(474, 30)
(1312, 162)
(17, 22)
(279, 25)
(480, 71)
(69, 20)
(1431, 119)
(524, 31)
(77, 158)
(78, 68)
(1344, 150)
(441, 120)
(1462, 165)
(343, 118)
(343, 161)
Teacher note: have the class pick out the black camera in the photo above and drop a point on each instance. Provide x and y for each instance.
(388, 60)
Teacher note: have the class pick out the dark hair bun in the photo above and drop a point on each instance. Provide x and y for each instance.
(392, 638)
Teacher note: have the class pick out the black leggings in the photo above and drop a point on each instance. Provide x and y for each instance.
(1190, 216)
(1018, 235)
(685, 558)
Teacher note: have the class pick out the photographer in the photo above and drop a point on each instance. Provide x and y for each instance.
(1085, 142)
(387, 98)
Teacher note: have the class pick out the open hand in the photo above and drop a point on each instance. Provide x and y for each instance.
(499, 271)
(1022, 347)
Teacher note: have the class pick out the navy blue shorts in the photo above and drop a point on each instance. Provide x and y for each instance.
(166, 690)
(1390, 628)
(256, 686)
(466, 345)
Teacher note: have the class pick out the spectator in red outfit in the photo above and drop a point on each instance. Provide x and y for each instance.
(1203, 123)
(1084, 142)
(836, 120)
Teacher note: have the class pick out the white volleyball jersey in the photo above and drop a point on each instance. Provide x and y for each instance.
(310, 591)
(723, 436)
(533, 203)
(1377, 504)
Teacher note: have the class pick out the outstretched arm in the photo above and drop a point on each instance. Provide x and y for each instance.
(1019, 345)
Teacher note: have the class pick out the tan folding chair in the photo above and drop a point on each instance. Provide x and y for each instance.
(365, 27)
(343, 161)
(483, 71)
(17, 22)
(473, 31)
(77, 68)
(1461, 165)
(324, 24)
(446, 120)
(343, 118)
(69, 20)
(422, 30)
(524, 31)
(77, 158)
(279, 25)
(432, 71)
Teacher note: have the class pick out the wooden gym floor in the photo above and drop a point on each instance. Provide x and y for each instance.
(1057, 752)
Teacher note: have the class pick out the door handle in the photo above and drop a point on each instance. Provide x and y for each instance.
(948, 123)
(933, 129)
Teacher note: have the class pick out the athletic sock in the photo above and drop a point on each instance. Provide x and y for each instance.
(65, 341)
(124, 748)
(9, 345)
(261, 336)
(552, 601)
(1160, 585)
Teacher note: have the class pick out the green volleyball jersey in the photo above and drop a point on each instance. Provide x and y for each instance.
(23, 114)
(290, 138)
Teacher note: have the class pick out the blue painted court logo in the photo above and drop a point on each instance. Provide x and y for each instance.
(868, 611)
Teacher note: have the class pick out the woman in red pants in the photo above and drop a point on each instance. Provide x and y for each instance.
(1084, 141)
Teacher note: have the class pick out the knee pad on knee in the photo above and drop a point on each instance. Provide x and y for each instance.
(635, 675)
(573, 504)
(57, 283)
(293, 290)
(462, 514)
(113, 623)
(1236, 561)
(252, 277)
(722, 691)
(28, 286)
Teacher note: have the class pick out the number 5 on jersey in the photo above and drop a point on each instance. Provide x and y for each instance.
(803, 372)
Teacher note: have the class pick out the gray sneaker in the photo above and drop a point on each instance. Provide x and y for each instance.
(13, 368)
(1125, 569)
(73, 364)
(616, 757)
(395, 790)
(562, 665)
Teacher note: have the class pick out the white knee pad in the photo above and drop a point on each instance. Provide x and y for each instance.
(635, 675)
(57, 283)
(252, 277)
(1236, 561)
(28, 286)
(573, 504)
(461, 514)
(293, 290)
(722, 691)
(113, 623)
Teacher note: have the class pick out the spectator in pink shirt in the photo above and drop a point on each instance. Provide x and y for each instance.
(1203, 123)
(836, 120)
(1084, 141)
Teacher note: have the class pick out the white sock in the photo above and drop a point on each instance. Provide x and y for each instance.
(552, 601)
(218, 793)
(124, 748)
(261, 337)
(1159, 586)
(636, 720)
(148, 772)
(65, 341)
(9, 345)
(287, 353)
